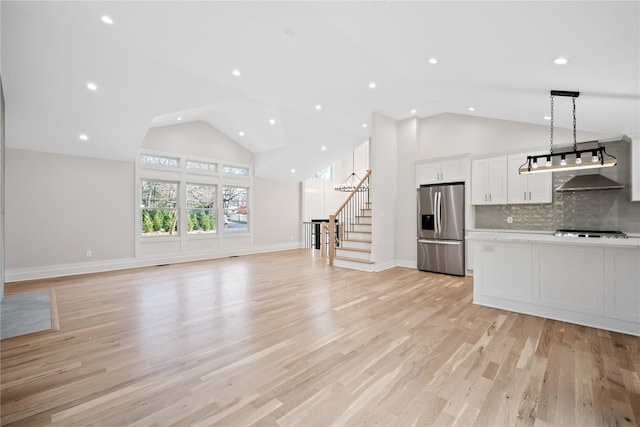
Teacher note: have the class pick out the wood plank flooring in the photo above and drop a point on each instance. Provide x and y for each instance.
(282, 339)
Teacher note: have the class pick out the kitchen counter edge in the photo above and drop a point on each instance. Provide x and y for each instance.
(548, 237)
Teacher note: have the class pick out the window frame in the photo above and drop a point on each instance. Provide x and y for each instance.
(185, 176)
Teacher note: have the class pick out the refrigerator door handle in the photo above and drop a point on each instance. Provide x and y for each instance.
(435, 213)
(439, 212)
(441, 242)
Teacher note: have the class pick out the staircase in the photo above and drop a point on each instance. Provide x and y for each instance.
(353, 246)
(354, 250)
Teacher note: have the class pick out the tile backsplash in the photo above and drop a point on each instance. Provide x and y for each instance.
(599, 209)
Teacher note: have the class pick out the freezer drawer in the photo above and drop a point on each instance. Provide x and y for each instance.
(441, 256)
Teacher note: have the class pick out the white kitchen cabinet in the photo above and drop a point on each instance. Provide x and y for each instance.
(503, 270)
(453, 169)
(527, 188)
(622, 284)
(568, 277)
(489, 181)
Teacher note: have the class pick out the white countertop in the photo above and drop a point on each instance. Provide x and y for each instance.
(548, 237)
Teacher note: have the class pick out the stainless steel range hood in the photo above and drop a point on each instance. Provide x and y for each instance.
(590, 182)
(593, 181)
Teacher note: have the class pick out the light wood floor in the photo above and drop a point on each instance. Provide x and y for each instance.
(284, 340)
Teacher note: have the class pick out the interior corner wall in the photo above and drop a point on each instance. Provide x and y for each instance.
(406, 206)
(383, 189)
(58, 207)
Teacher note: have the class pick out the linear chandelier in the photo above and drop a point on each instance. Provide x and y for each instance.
(568, 160)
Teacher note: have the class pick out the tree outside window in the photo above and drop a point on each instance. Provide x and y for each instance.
(159, 209)
(201, 208)
(236, 211)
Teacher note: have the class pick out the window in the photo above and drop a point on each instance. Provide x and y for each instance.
(235, 170)
(151, 160)
(236, 211)
(201, 208)
(201, 166)
(159, 210)
(326, 173)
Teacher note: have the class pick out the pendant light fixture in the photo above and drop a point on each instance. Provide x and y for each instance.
(567, 160)
(351, 183)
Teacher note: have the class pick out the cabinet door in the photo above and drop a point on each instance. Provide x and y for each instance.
(427, 173)
(497, 180)
(622, 284)
(479, 182)
(502, 270)
(517, 190)
(539, 188)
(569, 277)
(454, 170)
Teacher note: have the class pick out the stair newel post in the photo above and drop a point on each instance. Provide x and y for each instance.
(332, 238)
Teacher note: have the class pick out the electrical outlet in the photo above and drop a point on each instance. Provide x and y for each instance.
(88, 253)
(509, 220)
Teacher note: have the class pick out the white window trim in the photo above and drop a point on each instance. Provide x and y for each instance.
(182, 175)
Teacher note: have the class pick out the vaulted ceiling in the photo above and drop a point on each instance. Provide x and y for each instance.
(159, 61)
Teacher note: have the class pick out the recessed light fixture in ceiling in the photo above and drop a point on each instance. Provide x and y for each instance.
(413, 111)
(179, 118)
(241, 133)
(372, 85)
(560, 61)
(318, 107)
(547, 117)
(364, 125)
(293, 170)
(272, 121)
(471, 109)
(236, 73)
(323, 148)
(106, 19)
(83, 137)
(433, 60)
(92, 86)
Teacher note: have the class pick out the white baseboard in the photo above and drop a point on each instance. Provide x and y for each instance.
(73, 269)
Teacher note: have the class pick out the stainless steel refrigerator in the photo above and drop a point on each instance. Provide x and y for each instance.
(441, 228)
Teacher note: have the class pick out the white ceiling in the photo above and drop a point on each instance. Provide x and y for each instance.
(161, 60)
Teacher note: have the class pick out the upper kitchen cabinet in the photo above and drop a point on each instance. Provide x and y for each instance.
(449, 169)
(529, 188)
(489, 181)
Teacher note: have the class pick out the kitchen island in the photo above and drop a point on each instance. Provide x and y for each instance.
(588, 281)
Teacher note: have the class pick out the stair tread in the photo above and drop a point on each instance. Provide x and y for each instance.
(356, 240)
(361, 261)
(353, 249)
(363, 232)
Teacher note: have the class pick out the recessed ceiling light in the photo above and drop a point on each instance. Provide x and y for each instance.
(83, 136)
(372, 85)
(293, 171)
(560, 61)
(318, 107)
(364, 125)
(179, 118)
(547, 117)
(433, 60)
(92, 86)
(236, 73)
(471, 109)
(323, 148)
(413, 111)
(272, 121)
(106, 19)
(241, 133)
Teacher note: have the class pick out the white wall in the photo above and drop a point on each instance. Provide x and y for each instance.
(406, 206)
(197, 139)
(58, 207)
(384, 185)
(2, 189)
(453, 134)
(276, 215)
